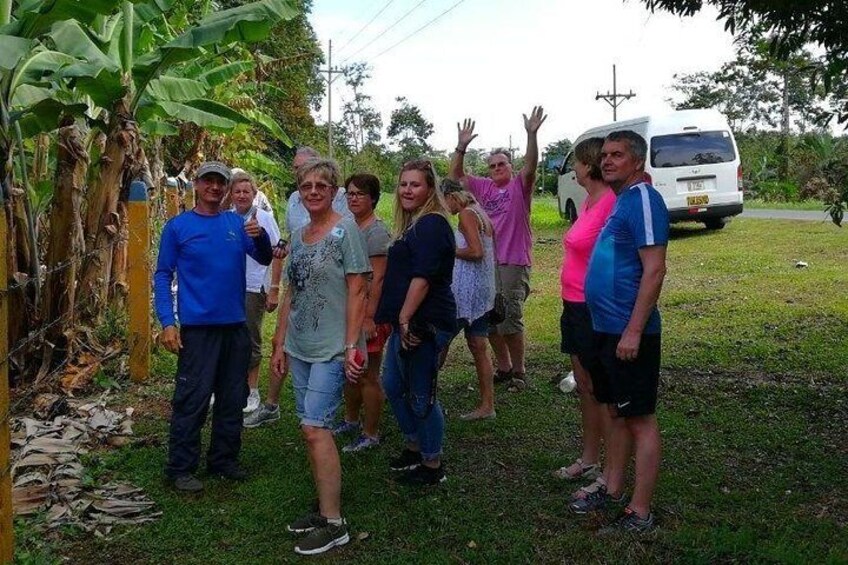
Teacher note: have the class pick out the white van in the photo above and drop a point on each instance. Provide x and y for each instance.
(692, 161)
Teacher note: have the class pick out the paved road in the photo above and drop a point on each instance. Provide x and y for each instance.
(803, 215)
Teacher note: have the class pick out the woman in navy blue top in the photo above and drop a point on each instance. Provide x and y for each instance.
(417, 301)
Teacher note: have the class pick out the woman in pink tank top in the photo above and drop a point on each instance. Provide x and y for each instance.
(576, 323)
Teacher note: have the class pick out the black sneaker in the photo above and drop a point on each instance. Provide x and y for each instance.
(323, 539)
(407, 461)
(424, 476)
(594, 501)
(307, 523)
(629, 523)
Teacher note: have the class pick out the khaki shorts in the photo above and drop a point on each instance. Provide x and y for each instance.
(254, 306)
(513, 282)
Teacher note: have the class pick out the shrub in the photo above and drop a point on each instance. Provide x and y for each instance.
(776, 191)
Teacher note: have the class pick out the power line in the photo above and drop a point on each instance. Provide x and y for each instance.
(363, 28)
(381, 34)
(428, 24)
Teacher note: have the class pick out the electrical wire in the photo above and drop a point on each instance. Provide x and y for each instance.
(363, 28)
(382, 33)
(383, 52)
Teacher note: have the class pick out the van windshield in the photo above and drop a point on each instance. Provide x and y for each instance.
(691, 149)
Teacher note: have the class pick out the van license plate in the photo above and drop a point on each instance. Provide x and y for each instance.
(695, 185)
(700, 200)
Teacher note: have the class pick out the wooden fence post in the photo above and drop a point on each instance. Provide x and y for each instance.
(7, 533)
(138, 277)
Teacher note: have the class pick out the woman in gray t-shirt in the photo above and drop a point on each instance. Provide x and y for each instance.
(363, 193)
(319, 339)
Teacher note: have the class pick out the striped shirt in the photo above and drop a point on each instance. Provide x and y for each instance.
(639, 219)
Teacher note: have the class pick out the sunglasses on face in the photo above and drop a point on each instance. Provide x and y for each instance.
(317, 186)
(499, 164)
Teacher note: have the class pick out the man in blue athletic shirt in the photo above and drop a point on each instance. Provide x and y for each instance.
(623, 284)
(206, 249)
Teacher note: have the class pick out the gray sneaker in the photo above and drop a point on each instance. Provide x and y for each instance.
(187, 483)
(265, 414)
(323, 539)
(629, 523)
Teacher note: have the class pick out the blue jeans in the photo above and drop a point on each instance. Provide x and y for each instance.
(408, 382)
(317, 391)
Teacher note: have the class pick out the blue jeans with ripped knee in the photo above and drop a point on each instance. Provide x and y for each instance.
(408, 381)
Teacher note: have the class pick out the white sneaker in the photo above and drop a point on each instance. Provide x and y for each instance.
(252, 401)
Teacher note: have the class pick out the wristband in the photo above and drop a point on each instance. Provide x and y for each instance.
(460, 151)
(350, 346)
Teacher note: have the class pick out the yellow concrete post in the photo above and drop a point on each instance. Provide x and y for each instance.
(7, 533)
(172, 201)
(189, 197)
(138, 278)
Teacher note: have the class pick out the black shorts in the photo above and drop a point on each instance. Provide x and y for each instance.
(575, 326)
(630, 386)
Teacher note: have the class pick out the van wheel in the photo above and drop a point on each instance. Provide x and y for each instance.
(570, 211)
(715, 223)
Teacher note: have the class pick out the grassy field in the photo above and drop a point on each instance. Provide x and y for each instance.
(812, 205)
(753, 414)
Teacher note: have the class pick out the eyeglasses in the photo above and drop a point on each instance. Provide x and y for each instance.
(493, 166)
(355, 195)
(317, 186)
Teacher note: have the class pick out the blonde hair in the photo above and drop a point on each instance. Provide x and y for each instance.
(325, 168)
(434, 204)
(242, 176)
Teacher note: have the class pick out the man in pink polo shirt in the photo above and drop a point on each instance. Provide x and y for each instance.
(506, 198)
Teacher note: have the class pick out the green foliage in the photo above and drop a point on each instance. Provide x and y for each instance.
(793, 27)
(409, 130)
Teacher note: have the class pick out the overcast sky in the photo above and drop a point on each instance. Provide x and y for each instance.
(492, 60)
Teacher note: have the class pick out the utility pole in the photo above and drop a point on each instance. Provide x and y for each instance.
(330, 70)
(614, 99)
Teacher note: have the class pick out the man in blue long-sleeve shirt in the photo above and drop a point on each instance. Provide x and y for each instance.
(206, 249)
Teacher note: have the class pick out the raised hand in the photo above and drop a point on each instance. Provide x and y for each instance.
(465, 133)
(536, 119)
(251, 227)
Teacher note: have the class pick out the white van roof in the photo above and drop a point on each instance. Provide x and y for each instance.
(664, 123)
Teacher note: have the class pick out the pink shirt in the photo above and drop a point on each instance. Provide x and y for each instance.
(579, 242)
(509, 209)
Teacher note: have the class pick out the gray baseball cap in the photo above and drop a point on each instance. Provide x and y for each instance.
(213, 167)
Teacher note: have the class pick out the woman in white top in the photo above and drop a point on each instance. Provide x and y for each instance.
(263, 284)
(474, 287)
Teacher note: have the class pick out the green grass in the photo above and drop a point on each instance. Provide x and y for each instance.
(753, 415)
(811, 205)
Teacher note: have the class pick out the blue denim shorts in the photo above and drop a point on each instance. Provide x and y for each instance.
(317, 391)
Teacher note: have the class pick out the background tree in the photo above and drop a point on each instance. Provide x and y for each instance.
(409, 130)
(792, 26)
(361, 120)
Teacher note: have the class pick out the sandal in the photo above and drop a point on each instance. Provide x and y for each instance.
(518, 382)
(589, 489)
(578, 471)
(502, 376)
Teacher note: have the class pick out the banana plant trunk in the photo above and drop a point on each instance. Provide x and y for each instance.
(102, 223)
(65, 241)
